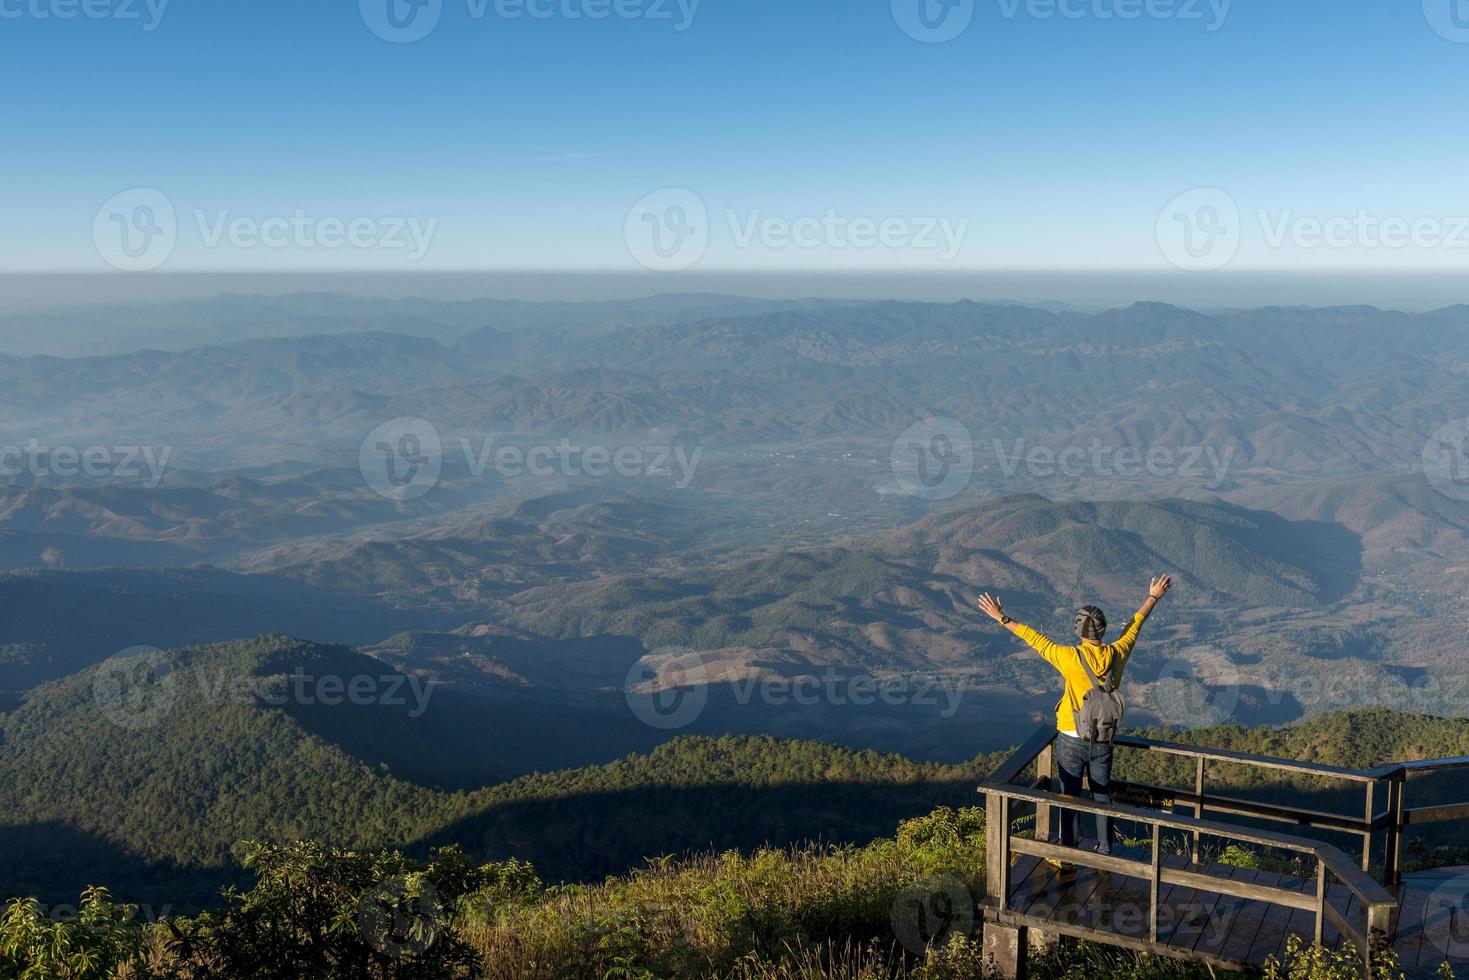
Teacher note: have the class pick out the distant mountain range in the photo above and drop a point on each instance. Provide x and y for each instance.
(1289, 393)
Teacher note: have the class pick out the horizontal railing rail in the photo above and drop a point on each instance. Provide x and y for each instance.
(1245, 759)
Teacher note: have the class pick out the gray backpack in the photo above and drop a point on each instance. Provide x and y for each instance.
(1102, 708)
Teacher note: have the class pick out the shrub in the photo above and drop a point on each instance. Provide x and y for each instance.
(319, 913)
(92, 946)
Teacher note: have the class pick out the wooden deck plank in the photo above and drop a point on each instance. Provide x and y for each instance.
(1027, 879)
(1038, 884)
(1073, 885)
(1124, 907)
(1351, 911)
(1215, 933)
(1299, 923)
(1340, 897)
(1241, 940)
(1023, 870)
(1066, 904)
(1195, 921)
(1409, 945)
(1273, 920)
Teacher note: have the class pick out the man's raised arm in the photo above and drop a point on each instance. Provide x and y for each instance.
(1039, 642)
(1157, 589)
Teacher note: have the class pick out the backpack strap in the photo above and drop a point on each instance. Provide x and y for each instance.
(1105, 688)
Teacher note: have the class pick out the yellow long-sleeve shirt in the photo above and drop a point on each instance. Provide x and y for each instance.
(1102, 657)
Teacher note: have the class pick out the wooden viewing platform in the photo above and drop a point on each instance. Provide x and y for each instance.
(1182, 906)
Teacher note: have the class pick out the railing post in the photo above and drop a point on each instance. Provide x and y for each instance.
(1157, 883)
(1379, 931)
(1320, 897)
(997, 849)
(1367, 835)
(992, 830)
(1392, 870)
(1044, 768)
(1198, 806)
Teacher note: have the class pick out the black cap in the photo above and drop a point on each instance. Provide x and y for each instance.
(1091, 623)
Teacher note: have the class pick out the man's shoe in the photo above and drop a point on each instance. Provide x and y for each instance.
(1062, 867)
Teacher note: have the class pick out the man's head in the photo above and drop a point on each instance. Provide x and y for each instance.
(1091, 624)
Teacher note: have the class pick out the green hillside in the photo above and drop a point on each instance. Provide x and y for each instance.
(153, 807)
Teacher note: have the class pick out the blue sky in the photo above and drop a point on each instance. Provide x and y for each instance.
(812, 135)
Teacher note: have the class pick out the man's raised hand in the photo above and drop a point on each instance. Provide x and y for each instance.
(992, 607)
(1160, 586)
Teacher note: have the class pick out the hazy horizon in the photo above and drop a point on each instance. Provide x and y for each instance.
(1410, 292)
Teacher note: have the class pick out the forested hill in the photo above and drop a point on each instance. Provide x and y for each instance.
(153, 807)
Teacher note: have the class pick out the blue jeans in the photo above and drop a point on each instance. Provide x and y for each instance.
(1073, 757)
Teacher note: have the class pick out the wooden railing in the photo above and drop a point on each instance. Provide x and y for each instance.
(1384, 816)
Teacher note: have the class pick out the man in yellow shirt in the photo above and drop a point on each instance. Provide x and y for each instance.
(1074, 754)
